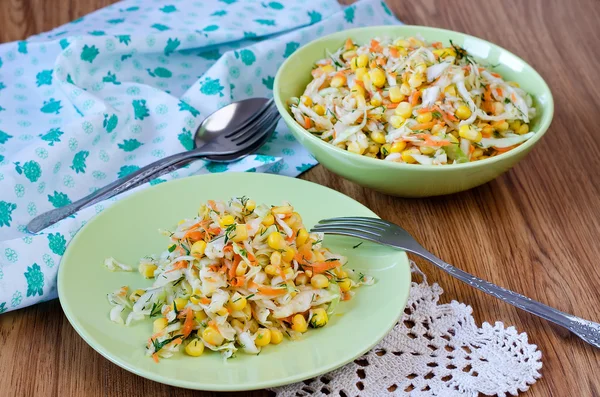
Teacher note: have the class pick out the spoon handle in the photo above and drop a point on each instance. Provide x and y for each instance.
(127, 182)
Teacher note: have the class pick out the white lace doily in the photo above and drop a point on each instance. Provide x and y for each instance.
(436, 350)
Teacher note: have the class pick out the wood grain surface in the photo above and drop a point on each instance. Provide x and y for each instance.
(533, 230)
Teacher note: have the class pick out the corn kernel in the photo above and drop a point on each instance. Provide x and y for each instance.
(288, 273)
(404, 109)
(425, 117)
(360, 73)
(498, 108)
(385, 149)
(377, 77)
(358, 89)
(407, 155)
(135, 295)
(353, 64)
(222, 312)
(276, 241)
(195, 348)
(349, 55)
(282, 210)
(373, 149)
(271, 270)
(262, 337)
(319, 109)
(338, 81)
(180, 302)
(360, 101)
(396, 121)
(301, 237)
(241, 269)
(362, 60)
(421, 68)
(339, 272)
(395, 94)
(328, 68)
(355, 148)
(299, 323)
(402, 43)
(515, 125)
(378, 136)
(288, 254)
(301, 279)
(276, 258)
(198, 248)
(240, 234)
(200, 316)
(212, 336)
(437, 130)
(319, 318)
(427, 150)
(452, 137)
(250, 205)
(306, 100)
(268, 220)
(276, 336)
(159, 324)
(405, 89)
(147, 269)
(416, 80)
(463, 112)
(367, 80)
(450, 90)
(227, 220)
(237, 324)
(253, 326)
(319, 281)
(500, 126)
(195, 299)
(445, 52)
(294, 221)
(397, 147)
(487, 131)
(477, 153)
(375, 101)
(345, 285)
(469, 133)
(238, 302)
(523, 129)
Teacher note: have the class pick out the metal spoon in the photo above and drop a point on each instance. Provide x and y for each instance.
(228, 134)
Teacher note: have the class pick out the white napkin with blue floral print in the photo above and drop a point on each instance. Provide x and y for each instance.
(104, 95)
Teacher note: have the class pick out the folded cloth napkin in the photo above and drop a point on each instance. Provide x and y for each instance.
(96, 99)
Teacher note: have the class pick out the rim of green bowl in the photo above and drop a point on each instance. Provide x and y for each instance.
(545, 120)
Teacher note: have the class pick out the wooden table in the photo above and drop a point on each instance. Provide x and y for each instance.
(533, 230)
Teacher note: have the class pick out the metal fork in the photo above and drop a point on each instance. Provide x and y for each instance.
(237, 141)
(386, 233)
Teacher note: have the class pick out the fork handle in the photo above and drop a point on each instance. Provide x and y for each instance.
(587, 330)
(137, 177)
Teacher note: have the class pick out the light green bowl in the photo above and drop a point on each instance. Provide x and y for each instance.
(411, 180)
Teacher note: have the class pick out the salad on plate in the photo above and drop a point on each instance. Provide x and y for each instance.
(236, 277)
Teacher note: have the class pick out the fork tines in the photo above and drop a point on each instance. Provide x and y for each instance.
(361, 227)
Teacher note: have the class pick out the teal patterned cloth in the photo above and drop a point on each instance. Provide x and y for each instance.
(104, 95)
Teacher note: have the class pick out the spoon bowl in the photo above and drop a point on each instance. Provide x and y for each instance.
(226, 135)
(229, 118)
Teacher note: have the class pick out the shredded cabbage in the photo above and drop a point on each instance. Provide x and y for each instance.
(240, 282)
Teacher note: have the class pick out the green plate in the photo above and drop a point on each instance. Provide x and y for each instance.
(128, 230)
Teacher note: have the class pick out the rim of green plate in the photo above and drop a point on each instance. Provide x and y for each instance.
(545, 121)
(97, 346)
